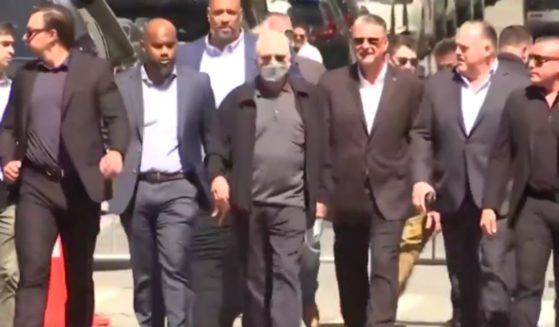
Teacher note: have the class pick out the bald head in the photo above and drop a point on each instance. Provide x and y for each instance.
(160, 45)
(278, 22)
(225, 17)
(476, 48)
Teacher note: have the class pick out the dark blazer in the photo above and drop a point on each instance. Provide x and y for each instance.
(443, 155)
(191, 54)
(514, 63)
(232, 141)
(511, 153)
(90, 97)
(195, 110)
(379, 158)
(308, 69)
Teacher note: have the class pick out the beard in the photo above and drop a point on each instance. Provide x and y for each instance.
(164, 68)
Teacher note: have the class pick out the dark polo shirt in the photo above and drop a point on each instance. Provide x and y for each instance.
(45, 115)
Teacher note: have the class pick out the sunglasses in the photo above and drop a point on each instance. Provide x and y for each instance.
(402, 61)
(540, 60)
(32, 32)
(370, 40)
(299, 36)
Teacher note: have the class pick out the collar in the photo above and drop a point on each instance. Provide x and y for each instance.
(380, 78)
(492, 69)
(44, 67)
(5, 82)
(149, 82)
(230, 48)
(511, 57)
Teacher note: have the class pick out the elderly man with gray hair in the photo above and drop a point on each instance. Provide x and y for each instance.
(267, 146)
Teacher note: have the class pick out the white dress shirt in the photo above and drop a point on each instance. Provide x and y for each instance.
(309, 51)
(370, 96)
(160, 144)
(226, 68)
(472, 99)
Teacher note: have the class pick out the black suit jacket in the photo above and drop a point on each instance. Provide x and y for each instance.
(511, 153)
(232, 138)
(379, 158)
(91, 100)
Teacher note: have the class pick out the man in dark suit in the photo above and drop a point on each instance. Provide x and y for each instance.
(451, 139)
(51, 144)
(228, 55)
(268, 162)
(526, 147)
(163, 183)
(514, 46)
(371, 106)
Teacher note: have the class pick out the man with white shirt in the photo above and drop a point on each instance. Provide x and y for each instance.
(451, 144)
(302, 46)
(163, 183)
(228, 55)
(8, 259)
(371, 107)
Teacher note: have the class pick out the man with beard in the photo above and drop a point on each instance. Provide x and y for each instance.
(227, 55)
(163, 183)
(268, 163)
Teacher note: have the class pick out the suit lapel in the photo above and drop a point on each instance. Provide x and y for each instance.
(492, 97)
(136, 97)
(455, 97)
(357, 105)
(386, 95)
(183, 96)
(75, 75)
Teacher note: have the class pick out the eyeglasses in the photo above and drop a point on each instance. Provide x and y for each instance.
(278, 58)
(370, 40)
(402, 61)
(32, 32)
(540, 60)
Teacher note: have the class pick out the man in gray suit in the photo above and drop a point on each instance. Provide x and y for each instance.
(163, 183)
(451, 141)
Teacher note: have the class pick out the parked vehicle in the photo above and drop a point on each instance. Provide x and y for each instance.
(542, 16)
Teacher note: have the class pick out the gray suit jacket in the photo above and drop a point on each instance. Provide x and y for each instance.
(191, 54)
(196, 108)
(442, 153)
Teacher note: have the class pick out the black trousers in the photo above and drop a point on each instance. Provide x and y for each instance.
(216, 273)
(45, 209)
(536, 235)
(272, 239)
(481, 269)
(368, 301)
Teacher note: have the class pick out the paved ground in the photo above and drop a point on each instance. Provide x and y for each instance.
(424, 304)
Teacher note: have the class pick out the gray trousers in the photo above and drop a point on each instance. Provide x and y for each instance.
(159, 227)
(271, 246)
(9, 273)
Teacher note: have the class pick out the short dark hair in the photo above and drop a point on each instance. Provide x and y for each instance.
(303, 26)
(60, 19)
(514, 35)
(444, 47)
(7, 28)
(401, 40)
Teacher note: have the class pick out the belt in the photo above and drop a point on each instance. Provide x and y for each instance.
(159, 177)
(53, 173)
(543, 195)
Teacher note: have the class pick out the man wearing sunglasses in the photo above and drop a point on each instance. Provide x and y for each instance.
(371, 106)
(526, 147)
(451, 140)
(302, 46)
(402, 53)
(52, 148)
(268, 163)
